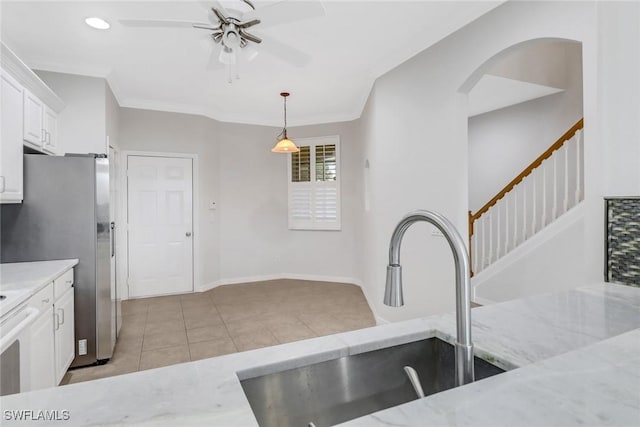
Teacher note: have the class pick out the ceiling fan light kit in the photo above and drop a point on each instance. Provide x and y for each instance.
(284, 144)
(228, 28)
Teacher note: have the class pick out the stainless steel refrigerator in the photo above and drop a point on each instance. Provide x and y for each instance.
(65, 214)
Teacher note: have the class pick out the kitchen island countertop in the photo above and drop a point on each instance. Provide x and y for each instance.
(577, 355)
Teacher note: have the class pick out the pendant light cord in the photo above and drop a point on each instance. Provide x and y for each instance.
(285, 117)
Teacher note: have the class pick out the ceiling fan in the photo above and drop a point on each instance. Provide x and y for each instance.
(229, 28)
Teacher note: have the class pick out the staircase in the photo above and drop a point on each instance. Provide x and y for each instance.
(545, 190)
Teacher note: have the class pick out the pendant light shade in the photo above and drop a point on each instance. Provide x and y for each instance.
(284, 144)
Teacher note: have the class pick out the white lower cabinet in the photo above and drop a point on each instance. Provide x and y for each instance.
(52, 334)
(42, 349)
(64, 334)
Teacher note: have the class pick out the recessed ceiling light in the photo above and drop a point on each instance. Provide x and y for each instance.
(97, 23)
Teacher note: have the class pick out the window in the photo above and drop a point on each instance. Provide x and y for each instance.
(314, 184)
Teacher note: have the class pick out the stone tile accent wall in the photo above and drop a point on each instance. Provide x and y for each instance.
(623, 241)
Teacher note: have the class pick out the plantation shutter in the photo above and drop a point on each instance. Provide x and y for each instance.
(314, 185)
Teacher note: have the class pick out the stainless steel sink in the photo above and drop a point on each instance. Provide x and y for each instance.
(335, 391)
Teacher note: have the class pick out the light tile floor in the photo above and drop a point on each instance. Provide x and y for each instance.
(163, 331)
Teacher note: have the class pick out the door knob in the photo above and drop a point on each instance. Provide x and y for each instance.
(188, 234)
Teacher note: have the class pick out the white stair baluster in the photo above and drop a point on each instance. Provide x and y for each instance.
(506, 223)
(543, 169)
(482, 236)
(578, 166)
(524, 209)
(515, 218)
(498, 227)
(474, 238)
(554, 211)
(534, 212)
(490, 235)
(565, 148)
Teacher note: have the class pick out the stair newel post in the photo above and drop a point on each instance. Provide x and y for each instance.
(471, 257)
(578, 166)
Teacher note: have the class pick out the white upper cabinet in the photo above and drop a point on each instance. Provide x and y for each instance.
(34, 133)
(10, 139)
(28, 117)
(50, 126)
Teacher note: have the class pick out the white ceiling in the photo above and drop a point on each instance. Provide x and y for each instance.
(166, 69)
(495, 92)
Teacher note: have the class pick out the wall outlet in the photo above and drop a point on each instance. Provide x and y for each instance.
(82, 347)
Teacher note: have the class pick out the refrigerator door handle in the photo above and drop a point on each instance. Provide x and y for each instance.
(113, 239)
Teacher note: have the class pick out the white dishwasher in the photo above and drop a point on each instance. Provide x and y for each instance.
(14, 349)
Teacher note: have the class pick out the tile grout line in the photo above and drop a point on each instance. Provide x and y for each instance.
(223, 322)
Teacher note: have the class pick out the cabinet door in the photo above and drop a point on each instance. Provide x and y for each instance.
(50, 124)
(42, 352)
(64, 333)
(33, 113)
(10, 139)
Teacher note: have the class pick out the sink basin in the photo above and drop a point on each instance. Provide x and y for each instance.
(339, 390)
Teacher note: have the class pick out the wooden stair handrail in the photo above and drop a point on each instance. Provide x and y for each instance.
(526, 172)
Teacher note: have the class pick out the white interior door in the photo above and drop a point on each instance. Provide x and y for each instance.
(160, 225)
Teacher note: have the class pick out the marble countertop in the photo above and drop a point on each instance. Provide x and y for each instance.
(21, 280)
(578, 354)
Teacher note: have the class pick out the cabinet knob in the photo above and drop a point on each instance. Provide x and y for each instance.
(188, 234)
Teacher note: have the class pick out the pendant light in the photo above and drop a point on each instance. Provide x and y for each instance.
(284, 144)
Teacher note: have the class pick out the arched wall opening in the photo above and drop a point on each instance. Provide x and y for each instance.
(525, 160)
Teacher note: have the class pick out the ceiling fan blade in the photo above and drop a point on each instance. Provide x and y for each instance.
(250, 37)
(247, 24)
(207, 27)
(161, 23)
(284, 51)
(285, 11)
(217, 8)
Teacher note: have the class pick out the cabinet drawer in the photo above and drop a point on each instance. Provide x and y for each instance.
(43, 299)
(62, 283)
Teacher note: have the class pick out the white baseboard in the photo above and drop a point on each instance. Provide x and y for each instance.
(381, 320)
(293, 276)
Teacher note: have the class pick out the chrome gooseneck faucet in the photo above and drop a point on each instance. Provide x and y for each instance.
(393, 290)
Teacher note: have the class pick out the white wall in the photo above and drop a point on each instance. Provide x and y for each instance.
(255, 239)
(82, 126)
(503, 142)
(539, 265)
(247, 237)
(415, 136)
(154, 131)
(112, 117)
(619, 62)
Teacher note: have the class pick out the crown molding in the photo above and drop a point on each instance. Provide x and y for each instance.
(112, 79)
(27, 78)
